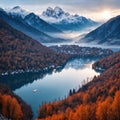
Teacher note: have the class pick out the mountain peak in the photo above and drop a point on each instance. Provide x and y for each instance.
(58, 15)
(58, 9)
(50, 9)
(32, 14)
(16, 7)
(17, 10)
(108, 33)
(56, 12)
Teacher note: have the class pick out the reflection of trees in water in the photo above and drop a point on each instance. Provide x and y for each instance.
(18, 80)
(79, 63)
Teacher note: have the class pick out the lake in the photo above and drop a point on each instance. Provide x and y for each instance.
(36, 89)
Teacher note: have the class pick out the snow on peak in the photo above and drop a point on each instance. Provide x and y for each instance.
(57, 14)
(48, 12)
(49, 9)
(17, 10)
(58, 10)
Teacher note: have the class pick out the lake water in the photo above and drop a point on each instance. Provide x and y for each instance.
(54, 85)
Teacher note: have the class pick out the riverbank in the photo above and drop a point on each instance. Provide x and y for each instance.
(67, 52)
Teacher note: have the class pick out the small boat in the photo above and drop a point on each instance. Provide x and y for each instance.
(35, 90)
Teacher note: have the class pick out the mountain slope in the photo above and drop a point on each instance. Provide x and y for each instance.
(108, 62)
(96, 100)
(36, 22)
(19, 52)
(64, 21)
(11, 102)
(17, 11)
(17, 22)
(32, 19)
(20, 25)
(108, 33)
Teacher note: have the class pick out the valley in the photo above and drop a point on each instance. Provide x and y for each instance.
(58, 65)
(96, 98)
(47, 83)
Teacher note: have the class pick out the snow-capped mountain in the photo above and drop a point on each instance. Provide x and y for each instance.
(108, 33)
(32, 19)
(16, 11)
(36, 22)
(18, 23)
(64, 20)
(56, 13)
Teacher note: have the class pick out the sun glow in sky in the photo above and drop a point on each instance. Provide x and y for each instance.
(106, 14)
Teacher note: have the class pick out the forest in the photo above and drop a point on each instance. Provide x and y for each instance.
(19, 52)
(96, 100)
(12, 106)
(108, 62)
(85, 52)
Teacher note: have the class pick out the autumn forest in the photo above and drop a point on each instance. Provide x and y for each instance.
(56, 64)
(97, 100)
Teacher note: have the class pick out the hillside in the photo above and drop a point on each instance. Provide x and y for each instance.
(108, 33)
(20, 53)
(96, 100)
(110, 61)
(78, 51)
(12, 106)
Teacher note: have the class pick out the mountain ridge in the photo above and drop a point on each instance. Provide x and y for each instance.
(32, 19)
(36, 22)
(18, 23)
(18, 52)
(64, 20)
(108, 33)
(95, 100)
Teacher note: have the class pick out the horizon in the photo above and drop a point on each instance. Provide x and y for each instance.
(106, 10)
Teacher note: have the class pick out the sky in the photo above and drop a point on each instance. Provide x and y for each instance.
(99, 10)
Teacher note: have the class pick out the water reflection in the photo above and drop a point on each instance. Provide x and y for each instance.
(52, 85)
(79, 64)
(19, 80)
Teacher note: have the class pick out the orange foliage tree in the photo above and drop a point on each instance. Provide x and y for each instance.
(10, 108)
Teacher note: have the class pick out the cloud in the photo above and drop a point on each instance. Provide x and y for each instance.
(76, 5)
(86, 3)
